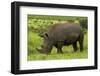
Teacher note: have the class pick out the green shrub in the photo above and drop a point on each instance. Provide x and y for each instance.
(84, 23)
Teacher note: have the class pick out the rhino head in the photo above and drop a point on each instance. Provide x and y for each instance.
(47, 46)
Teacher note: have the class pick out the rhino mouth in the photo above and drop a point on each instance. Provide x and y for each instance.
(40, 50)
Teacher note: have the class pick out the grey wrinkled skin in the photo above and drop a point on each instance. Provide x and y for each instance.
(60, 35)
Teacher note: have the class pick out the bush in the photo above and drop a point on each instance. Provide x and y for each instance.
(84, 23)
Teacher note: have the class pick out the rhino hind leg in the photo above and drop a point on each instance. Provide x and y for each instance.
(75, 46)
(81, 39)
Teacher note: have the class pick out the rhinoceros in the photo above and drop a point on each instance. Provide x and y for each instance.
(62, 34)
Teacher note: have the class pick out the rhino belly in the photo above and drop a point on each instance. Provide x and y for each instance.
(70, 39)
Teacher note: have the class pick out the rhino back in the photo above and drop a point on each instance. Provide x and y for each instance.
(67, 31)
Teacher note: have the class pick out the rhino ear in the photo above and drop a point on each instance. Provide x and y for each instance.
(46, 35)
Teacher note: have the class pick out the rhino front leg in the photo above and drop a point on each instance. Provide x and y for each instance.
(59, 48)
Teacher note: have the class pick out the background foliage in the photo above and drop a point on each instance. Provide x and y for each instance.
(38, 25)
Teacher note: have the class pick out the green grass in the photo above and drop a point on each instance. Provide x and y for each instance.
(37, 25)
(74, 55)
(68, 51)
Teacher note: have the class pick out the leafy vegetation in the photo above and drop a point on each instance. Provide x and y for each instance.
(38, 25)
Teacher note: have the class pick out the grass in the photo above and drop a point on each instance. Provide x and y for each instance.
(37, 25)
(70, 55)
(68, 50)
